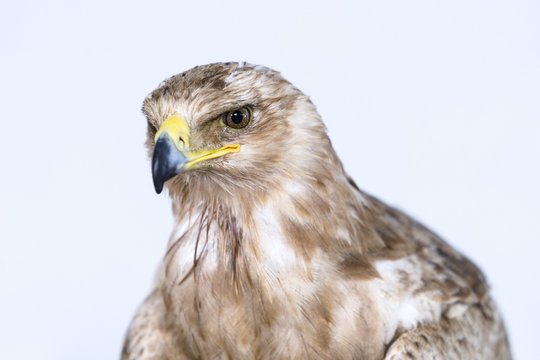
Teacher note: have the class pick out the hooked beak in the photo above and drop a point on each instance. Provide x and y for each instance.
(172, 154)
(167, 162)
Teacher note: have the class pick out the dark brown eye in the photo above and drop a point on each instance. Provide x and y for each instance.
(237, 119)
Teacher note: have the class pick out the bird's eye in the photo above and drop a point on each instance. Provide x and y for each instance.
(237, 119)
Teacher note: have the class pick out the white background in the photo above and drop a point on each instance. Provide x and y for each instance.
(433, 106)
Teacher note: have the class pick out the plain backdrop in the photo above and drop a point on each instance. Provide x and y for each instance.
(433, 106)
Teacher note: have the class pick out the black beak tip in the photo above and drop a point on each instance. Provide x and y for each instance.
(167, 162)
(158, 185)
(158, 171)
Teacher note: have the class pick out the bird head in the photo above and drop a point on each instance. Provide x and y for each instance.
(233, 127)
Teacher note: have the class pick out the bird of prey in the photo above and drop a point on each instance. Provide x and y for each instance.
(277, 254)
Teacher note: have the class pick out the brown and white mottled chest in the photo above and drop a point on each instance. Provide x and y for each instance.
(264, 299)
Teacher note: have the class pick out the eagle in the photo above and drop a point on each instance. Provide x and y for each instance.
(277, 254)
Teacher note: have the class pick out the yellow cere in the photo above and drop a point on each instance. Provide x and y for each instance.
(177, 128)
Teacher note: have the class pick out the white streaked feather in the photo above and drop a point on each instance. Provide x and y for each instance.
(399, 306)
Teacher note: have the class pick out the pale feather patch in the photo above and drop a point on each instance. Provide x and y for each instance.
(261, 68)
(231, 77)
(400, 306)
(344, 315)
(293, 188)
(456, 310)
(186, 232)
(277, 255)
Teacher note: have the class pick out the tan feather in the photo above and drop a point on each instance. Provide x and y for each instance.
(276, 253)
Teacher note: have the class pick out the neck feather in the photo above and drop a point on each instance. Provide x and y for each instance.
(251, 236)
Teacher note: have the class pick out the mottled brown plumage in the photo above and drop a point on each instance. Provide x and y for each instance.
(276, 253)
